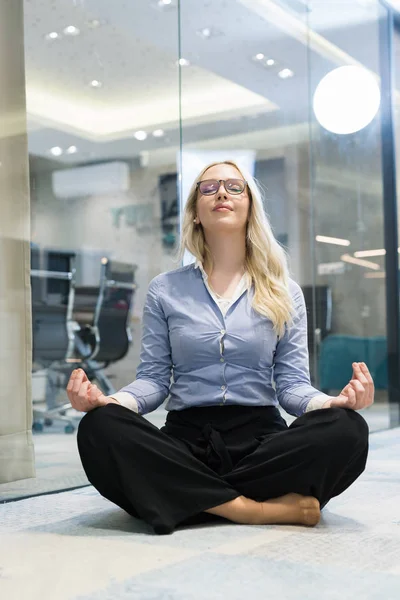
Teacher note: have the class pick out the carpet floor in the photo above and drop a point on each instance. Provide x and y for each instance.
(76, 545)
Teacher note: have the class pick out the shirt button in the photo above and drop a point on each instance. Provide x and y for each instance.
(222, 331)
(222, 387)
(221, 360)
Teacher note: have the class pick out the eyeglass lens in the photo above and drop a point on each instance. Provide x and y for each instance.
(211, 186)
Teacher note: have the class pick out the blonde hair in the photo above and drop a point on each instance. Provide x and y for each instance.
(266, 261)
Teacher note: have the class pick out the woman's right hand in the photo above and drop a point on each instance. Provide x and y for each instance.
(83, 395)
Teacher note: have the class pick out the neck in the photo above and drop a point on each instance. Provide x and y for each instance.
(228, 252)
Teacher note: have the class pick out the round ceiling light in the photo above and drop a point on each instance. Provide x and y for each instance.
(285, 73)
(346, 100)
(56, 151)
(140, 135)
(71, 30)
(96, 23)
(53, 35)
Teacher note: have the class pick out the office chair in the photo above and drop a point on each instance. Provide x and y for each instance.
(53, 330)
(104, 314)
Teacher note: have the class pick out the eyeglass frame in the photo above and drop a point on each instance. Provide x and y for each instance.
(224, 182)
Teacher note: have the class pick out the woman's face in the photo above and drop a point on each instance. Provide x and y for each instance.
(223, 220)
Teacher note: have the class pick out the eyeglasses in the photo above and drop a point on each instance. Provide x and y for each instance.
(208, 187)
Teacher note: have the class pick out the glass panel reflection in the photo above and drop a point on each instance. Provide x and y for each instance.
(103, 118)
(322, 182)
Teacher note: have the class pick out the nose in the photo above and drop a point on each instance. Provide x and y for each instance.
(222, 191)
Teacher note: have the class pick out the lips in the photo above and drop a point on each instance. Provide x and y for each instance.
(226, 206)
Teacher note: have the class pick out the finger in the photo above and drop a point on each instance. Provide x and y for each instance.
(81, 398)
(363, 397)
(78, 380)
(92, 392)
(366, 372)
(358, 395)
(340, 401)
(94, 395)
(358, 373)
(344, 390)
(371, 386)
(71, 381)
(82, 373)
(352, 398)
(358, 387)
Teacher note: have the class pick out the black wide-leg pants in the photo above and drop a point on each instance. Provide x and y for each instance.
(205, 456)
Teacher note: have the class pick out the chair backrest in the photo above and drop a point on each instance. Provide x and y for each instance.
(114, 309)
(86, 302)
(58, 261)
(52, 325)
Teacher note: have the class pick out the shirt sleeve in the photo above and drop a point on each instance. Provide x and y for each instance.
(127, 400)
(153, 375)
(291, 365)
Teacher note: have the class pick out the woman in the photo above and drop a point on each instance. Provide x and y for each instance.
(225, 327)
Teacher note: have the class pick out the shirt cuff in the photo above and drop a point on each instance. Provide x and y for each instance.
(127, 400)
(317, 402)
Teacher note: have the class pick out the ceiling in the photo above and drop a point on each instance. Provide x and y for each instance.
(223, 97)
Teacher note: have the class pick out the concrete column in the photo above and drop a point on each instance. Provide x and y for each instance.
(16, 447)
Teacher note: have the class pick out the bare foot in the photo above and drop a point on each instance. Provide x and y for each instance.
(293, 509)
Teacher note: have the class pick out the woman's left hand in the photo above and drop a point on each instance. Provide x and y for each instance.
(358, 393)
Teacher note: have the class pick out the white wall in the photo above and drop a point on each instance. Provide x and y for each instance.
(88, 225)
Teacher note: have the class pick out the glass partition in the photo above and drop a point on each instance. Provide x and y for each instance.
(346, 192)
(126, 101)
(275, 79)
(103, 119)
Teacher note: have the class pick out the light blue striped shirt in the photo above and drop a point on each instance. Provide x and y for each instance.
(217, 356)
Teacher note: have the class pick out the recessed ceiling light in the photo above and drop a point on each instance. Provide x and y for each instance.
(206, 32)
(285, 73)
(71, 30)
(183, 62)
(158, 132)
(164, 2)
(358, 261)
(262, 60)
(96, 83)
(368, 253)
(53, 35)
(96, 23)
(140, 135)
(332, 240)
(209, 32)
(72, 150)
(56, 151)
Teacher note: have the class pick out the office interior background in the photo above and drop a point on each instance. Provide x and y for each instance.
(110, 109)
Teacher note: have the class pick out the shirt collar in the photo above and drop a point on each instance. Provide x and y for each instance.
(199, 265)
